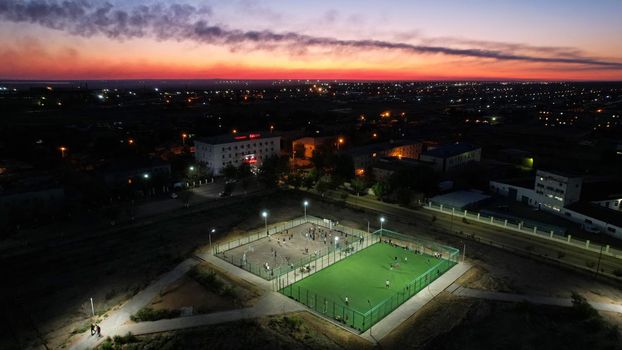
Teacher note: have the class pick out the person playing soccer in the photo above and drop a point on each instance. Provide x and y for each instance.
(387, 283)
(347, 300)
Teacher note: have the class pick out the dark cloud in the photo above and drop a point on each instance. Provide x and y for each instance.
(187, 22)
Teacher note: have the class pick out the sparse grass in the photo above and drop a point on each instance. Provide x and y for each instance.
(207, 279)
(82, 328)
(212, 282)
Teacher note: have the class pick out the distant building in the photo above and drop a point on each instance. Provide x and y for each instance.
(384, 167)
(557, 190)
(31, 191)
(127, 171)
(366, 155)
(564, 195)
(310, 144)
(449, 157)
(252, 148)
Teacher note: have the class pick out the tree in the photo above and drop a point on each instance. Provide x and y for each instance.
(294, 180)
(243, 171)
(273, 169)
(229, 171)
(344, 166)
(308, 181)
(380, 189)
(299, 151)
(358, 185)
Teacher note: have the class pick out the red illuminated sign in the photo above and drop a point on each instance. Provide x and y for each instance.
(250, 136)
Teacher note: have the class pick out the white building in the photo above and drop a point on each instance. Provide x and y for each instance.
(560, 194)
(218, 151)
(557, 190)
(448, 157)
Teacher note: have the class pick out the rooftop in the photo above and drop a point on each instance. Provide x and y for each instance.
(450, 150)
(378, 147)
(610, 216)
(459, 199)
(239, 137)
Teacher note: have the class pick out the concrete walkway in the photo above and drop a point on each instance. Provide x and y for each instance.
(117, 318)
(270, 304)
(535, 299)
(412, 305)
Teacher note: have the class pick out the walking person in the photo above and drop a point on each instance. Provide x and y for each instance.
(347, 301)
(387, 283)
(92, 328)
(99, 331)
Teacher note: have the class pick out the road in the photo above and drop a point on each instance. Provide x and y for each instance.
(552, 251)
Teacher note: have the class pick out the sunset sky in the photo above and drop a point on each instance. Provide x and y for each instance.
(410, 40)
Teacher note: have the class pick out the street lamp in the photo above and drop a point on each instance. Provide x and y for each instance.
(184, 136)
(381, 222)
(339, 142)
(191, 168)
(62, 151)
(264, 214)
(213, 230)
(305, 204)
(146, 175)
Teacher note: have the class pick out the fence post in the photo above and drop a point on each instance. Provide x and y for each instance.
(551, 234)
(569, 237)
(587, 243)
(535, 230)
(478, 214)
(607, 249)
(505, 223)
(492, 219)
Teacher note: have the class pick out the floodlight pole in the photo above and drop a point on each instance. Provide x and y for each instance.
(305, 204)
(92, 308)
(210, 237)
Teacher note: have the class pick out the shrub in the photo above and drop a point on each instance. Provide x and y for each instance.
(149, 314)
(125, 339)
(292, 323)
(107, 344)
(207, 279)
(228, 291)
(617, 272)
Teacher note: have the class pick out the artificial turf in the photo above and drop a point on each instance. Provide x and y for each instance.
(362, 276)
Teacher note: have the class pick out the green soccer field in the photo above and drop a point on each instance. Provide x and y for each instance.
(362, 279)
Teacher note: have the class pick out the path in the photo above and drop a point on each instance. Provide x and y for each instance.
(117, 323)
(118, 317)
(272, 303)
(535, 299)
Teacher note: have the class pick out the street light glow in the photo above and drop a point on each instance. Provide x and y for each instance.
(146, 176)
(305, 203)
(264, 214)
(191, 168)
(382, 219)
(213, 230)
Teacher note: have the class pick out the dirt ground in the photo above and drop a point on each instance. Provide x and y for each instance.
(189, 294)
(285, 248)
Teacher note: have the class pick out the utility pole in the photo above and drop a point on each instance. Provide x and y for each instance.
(600, 255)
